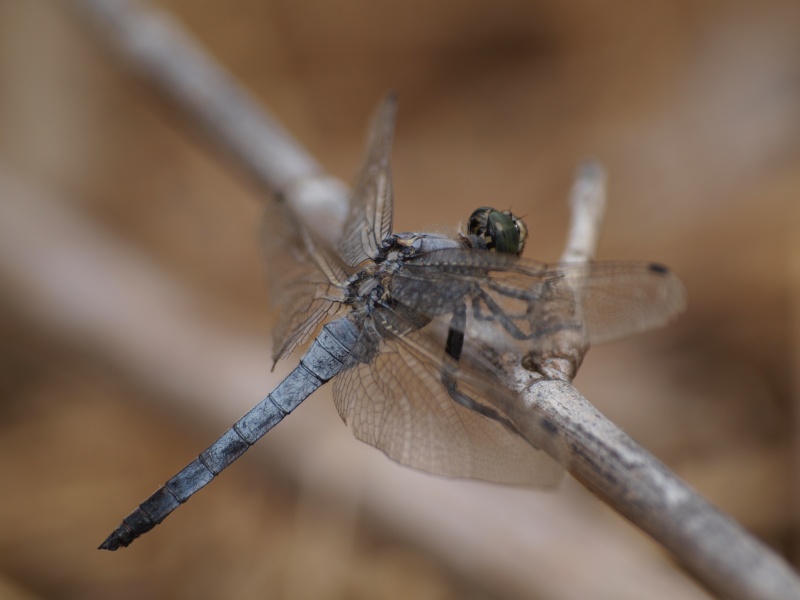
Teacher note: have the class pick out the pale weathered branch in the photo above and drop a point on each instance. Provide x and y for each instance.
(721, 554)
(614, 467)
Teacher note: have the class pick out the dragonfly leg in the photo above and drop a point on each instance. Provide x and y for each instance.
(454, 347)
(498, 315)
(562, 343)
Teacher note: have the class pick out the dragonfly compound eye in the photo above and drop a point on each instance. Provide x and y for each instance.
(508, 233)
(522, 229)
(499, 231)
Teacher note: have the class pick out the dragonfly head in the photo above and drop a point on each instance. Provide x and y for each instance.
(500, 231)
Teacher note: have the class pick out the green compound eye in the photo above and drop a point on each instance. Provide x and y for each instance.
(499, 231)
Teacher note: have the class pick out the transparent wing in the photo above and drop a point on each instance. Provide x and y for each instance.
(306, 281)
(391, 396)
(618, 299)
(517, 303)
(369, 220)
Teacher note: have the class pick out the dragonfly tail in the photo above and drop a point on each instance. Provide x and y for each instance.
(323, 361)
(197, 474)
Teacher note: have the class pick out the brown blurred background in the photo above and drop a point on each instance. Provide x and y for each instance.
(694, 108)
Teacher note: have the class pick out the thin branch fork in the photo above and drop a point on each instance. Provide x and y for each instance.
(721, 554)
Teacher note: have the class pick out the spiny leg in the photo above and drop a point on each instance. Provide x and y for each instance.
(453, 348)
(498, 315)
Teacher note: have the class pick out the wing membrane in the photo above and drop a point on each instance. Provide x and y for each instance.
(306, 285)
(391, 397)
(369, 219)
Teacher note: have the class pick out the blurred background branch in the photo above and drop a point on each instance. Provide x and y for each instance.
(157, 46)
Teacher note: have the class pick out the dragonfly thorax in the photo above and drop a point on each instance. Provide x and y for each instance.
(410, 244)
(371, 289)
(368, 287)
(372, 285)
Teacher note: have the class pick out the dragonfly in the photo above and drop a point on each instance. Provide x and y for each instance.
(415, 330)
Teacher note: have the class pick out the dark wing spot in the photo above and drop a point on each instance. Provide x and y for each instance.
(658, 268)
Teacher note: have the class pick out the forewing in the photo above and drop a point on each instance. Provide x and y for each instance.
(518, 303)
(369, 219)
(305, 280)
(618, 299)
(392, 397)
